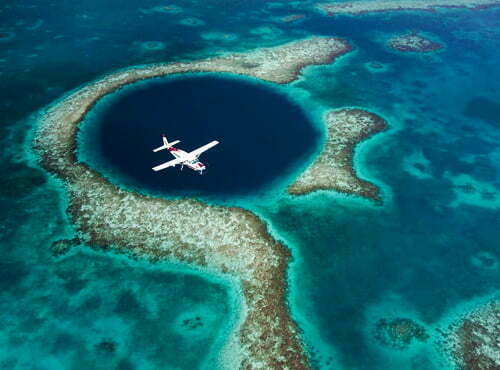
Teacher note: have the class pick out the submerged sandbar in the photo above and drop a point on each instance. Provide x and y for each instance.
(229, 241)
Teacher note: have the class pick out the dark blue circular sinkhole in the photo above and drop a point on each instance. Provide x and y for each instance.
(262, 135)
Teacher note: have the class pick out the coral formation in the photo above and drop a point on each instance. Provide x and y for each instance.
(228, 241)
(399, 333)
(333, 169)
(369, 6)
(413, 42)
(472, 341)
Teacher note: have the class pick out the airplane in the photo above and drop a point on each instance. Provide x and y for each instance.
(183, 158)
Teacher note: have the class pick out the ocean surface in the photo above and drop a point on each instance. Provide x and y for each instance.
(262, 135)
(429, 251)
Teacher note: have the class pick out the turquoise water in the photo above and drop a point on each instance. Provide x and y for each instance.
(87, 310)
(418, 256)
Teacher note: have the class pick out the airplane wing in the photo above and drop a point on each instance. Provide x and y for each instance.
(171, 163)
(201, 149)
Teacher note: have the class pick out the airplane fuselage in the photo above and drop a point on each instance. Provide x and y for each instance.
(194, 163)
(183, 158)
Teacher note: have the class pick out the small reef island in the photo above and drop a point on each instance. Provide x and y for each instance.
(362, 7)
(399, 333)
(228, 241)
(413, 42)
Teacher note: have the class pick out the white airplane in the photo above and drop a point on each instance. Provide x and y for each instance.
(183, 158)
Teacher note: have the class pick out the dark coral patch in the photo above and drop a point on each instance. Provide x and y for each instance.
(61, 247)
(192, 323)
(106, 347)
(399, 333)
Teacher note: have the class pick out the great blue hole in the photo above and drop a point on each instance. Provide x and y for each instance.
(263, 136)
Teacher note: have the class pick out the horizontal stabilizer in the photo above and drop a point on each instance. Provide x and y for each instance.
(159, 148)
(166, 146)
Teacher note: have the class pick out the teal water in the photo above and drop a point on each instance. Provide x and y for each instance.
(418, 256)
(87, 310)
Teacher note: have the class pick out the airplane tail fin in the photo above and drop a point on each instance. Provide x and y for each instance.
(166, 144)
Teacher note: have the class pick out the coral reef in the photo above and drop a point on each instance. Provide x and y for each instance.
(63, 246)
(399, 333)
(369, 6)
(333, 169)
(217, 239)
(413, 42)
(473, 340)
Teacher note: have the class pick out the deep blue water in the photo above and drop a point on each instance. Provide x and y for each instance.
(262, 135)
(414, 257)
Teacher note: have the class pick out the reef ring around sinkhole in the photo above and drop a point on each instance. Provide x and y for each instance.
(263, 135)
